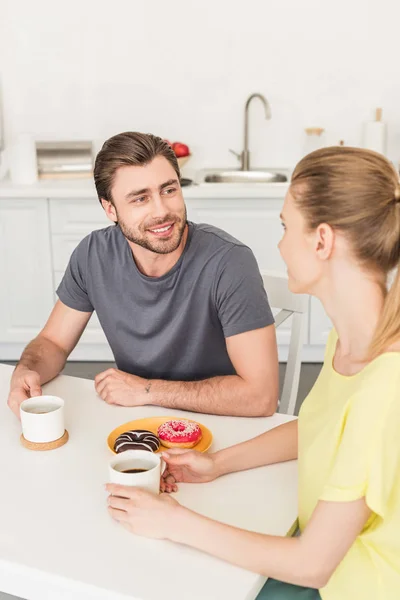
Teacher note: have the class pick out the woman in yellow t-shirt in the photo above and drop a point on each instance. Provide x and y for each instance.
(341, 218)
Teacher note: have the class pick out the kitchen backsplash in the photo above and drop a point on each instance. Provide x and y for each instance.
(184, 70)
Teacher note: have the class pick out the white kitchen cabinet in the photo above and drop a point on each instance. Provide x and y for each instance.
(70, 222)
(78, 216)
(26, 298)
(252, 222)
(39, 231)
(257, 225)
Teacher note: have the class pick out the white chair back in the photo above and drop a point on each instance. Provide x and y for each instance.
(279, 296)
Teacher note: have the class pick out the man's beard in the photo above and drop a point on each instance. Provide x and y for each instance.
(160, 245)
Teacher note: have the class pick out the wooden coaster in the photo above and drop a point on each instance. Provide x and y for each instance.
(45, 445)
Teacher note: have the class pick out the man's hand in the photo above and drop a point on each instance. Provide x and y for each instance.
(117, 387)
(24, 384)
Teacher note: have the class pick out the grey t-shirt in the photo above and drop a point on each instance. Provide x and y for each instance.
(170, 327)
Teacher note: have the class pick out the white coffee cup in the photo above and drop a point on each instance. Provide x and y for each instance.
(42, 419)
(148, 479)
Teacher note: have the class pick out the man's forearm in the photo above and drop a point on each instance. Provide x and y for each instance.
(225, 395)
(277, 445)
(43, 356)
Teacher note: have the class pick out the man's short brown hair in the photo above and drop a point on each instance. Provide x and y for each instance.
(128, 149)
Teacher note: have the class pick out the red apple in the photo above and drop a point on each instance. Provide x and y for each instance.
(180, 149)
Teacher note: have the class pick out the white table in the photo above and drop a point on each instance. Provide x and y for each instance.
(57, 541)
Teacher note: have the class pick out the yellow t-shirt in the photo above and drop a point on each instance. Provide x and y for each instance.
(349, 447)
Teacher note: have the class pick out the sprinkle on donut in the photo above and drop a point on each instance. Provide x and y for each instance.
(179, 432)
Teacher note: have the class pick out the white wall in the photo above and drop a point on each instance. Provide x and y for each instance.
(182, 69)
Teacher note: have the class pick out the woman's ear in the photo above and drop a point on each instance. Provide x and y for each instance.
(325, 241)
(109, 209)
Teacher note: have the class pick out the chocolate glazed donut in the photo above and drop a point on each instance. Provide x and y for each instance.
(137, 439)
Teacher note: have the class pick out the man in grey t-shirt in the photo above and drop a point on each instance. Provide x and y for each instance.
(182, 305)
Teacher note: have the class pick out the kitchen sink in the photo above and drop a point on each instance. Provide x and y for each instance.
(238, 176)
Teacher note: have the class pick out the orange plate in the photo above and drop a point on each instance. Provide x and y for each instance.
(152, 424)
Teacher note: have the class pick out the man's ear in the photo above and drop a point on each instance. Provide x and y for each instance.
(109, 209)
(325, 241)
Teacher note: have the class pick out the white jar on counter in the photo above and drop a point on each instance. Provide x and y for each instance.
(314, 139)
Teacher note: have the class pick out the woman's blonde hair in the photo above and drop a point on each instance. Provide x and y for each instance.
(357, 192)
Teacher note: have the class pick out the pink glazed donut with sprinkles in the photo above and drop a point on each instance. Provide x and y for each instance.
(179, 433)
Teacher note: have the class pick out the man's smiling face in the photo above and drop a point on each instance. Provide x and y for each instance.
(149, 206)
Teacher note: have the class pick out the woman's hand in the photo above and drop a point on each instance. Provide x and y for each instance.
(187, 466)
(141, 512)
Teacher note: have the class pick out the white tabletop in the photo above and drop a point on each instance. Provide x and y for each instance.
(57, 541)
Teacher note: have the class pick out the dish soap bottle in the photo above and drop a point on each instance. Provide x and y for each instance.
(374, 137)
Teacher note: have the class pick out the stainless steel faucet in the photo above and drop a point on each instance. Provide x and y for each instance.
(244, 157)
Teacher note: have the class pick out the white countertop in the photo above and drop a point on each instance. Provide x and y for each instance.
(57, 541)
(84, 188)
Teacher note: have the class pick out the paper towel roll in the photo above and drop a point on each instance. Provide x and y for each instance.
(23, 166)
(374, 137)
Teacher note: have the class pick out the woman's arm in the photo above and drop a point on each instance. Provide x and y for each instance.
(308, 560)
(276, 445)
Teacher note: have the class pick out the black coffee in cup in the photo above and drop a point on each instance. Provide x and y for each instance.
(133, 470)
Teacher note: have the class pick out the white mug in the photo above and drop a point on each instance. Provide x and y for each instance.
(42, 418)
(148, 479)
